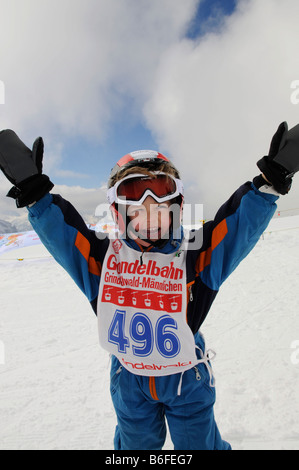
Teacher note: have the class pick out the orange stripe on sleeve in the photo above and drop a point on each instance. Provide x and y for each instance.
(83, 245)
(218, 235)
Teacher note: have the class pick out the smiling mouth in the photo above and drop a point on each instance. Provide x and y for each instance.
(150, 234)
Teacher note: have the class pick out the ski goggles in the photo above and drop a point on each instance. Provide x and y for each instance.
(134, 189)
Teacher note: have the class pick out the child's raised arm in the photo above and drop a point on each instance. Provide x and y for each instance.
(59, 226)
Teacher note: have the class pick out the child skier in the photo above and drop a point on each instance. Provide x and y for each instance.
(152, 286)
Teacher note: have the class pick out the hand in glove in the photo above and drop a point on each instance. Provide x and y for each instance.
(282, 162)
(23, 168)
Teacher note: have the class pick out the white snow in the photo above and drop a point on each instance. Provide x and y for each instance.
(54, 377)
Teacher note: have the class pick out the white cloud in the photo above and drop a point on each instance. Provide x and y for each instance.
(218, 101)
(84, 200)
(70, 65)
(71, 174)
(70, 68)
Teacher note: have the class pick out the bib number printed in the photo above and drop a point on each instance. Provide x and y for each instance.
(143, 337)
(142, 311)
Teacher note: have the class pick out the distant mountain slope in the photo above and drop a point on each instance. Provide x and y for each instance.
(6, 227)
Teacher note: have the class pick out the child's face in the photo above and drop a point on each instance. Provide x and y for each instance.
(150, 220)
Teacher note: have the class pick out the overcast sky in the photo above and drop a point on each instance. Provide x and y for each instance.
(99, 78)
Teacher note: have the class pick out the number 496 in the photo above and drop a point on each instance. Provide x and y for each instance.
(142, 336)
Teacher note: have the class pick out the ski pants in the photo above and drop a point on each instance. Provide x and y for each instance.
(143, 404)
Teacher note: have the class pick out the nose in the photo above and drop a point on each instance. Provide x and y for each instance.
(149, 205)
(149, 201)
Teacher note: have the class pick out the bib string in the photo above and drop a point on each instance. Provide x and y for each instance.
(206, 357)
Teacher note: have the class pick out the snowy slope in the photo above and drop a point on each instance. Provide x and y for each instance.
(54, 383)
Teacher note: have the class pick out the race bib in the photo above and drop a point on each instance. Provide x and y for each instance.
(142, 311)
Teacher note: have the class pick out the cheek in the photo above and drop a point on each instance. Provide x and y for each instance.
(164, 220)
(139, 219)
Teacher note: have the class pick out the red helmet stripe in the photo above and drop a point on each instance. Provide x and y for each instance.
(160, 155)
(125, 159)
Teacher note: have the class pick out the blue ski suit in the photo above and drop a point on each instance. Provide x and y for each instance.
(185, 400)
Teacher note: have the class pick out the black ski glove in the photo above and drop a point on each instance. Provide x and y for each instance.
(282, 162)
(23, 168)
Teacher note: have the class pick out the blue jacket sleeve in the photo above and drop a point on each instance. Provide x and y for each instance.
(66, 236)
(233, 233)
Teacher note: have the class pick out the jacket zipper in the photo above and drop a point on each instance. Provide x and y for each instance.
(197, 374)
(189, 291)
